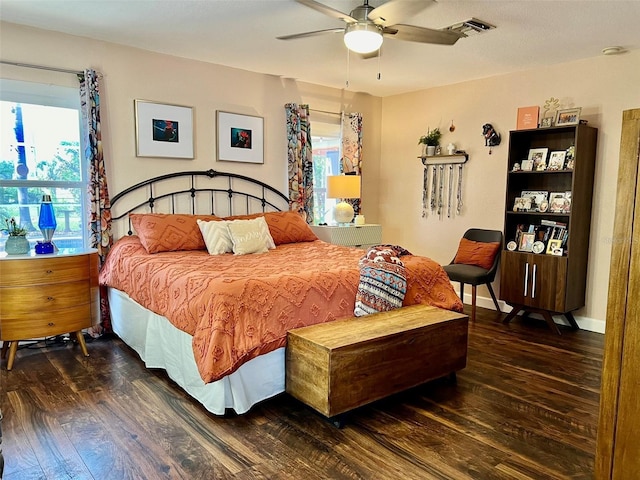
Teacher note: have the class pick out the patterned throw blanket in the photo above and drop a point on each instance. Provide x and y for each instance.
(383, 280)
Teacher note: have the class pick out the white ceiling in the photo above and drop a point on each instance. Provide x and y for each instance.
(242, 34)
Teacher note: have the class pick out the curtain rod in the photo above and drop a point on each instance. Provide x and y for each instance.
(40, 67)
(325, 111)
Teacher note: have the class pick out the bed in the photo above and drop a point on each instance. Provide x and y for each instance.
(217, 323)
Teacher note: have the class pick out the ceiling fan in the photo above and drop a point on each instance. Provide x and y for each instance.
(367, 25)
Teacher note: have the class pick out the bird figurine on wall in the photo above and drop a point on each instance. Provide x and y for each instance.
(491, 137)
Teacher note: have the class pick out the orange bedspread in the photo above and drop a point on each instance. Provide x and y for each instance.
(238, 307)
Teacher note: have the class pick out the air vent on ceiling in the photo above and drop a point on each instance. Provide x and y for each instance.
(471, 27)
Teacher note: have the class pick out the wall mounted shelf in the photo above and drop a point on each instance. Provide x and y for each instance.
(444, 159)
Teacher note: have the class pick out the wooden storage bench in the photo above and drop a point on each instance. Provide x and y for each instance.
(337, 366)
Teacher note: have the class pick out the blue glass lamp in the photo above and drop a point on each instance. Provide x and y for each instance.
(47, 224)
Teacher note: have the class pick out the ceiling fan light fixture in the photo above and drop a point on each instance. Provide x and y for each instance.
(363, 37)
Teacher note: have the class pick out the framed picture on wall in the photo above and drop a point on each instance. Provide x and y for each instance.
(163, 130)
(240, 138)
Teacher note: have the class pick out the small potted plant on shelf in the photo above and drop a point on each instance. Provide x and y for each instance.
(431, 140)
(17, 243)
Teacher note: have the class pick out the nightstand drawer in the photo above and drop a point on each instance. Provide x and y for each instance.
(44, 270)
(41, 300)
(48, 324)
(352, 236)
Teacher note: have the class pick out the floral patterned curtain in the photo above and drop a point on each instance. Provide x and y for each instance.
(300, 160)
(99, 203)
(352, 149)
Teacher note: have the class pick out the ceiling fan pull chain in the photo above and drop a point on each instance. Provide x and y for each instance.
(379, 53)
(348, 66)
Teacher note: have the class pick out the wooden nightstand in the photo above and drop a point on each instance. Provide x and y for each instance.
(361, 236)
(47, 295)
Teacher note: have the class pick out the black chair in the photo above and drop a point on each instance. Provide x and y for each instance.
(473, 274)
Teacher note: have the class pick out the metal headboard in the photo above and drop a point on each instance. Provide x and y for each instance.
(197, 192)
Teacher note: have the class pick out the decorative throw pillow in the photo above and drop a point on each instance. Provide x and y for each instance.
(250, 236)
(480, 254)
(288, 227)
(162, 232)
(216, 237)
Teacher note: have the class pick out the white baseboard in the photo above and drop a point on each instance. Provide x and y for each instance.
(585, 323)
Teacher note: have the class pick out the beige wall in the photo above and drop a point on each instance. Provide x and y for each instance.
(137, 74)
(392, 183)
(602, 86)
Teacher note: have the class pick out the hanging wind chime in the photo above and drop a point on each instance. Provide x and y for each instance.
(441, 190)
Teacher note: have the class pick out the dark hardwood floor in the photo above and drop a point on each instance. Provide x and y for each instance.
(526, 407)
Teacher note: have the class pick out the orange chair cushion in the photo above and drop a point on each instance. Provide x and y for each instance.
(160, 232)
(480, 254)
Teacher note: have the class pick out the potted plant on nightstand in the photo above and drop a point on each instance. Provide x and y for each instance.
(431, 140)
(17, 243)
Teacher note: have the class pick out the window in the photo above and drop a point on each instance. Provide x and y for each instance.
(326, 162)
(40, 154)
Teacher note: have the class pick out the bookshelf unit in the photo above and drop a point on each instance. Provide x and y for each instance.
(548, 283)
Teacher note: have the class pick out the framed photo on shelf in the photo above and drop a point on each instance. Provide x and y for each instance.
(527, 165)
(240, 138)
(163, 130)
(569, 116)
(554, 247)
(539, 158)
(526, 242)
(522, 204)
(556, 202)
(556, 160)
(537, 198)
(546, 122)
(520, 229)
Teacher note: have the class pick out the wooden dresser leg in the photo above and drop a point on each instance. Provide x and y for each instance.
(572, 321)
(5, 346)
(549, 319)
(515, 309)
(83, 345)
(13, 348)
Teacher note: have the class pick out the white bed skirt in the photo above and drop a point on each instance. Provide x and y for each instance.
(161, 345)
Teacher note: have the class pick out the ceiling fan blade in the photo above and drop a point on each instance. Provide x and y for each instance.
(396, 11)
(310, 34)
(320, 7)
(411, 33)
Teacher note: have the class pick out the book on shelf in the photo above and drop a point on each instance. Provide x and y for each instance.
(552, 223)
(527, 117)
